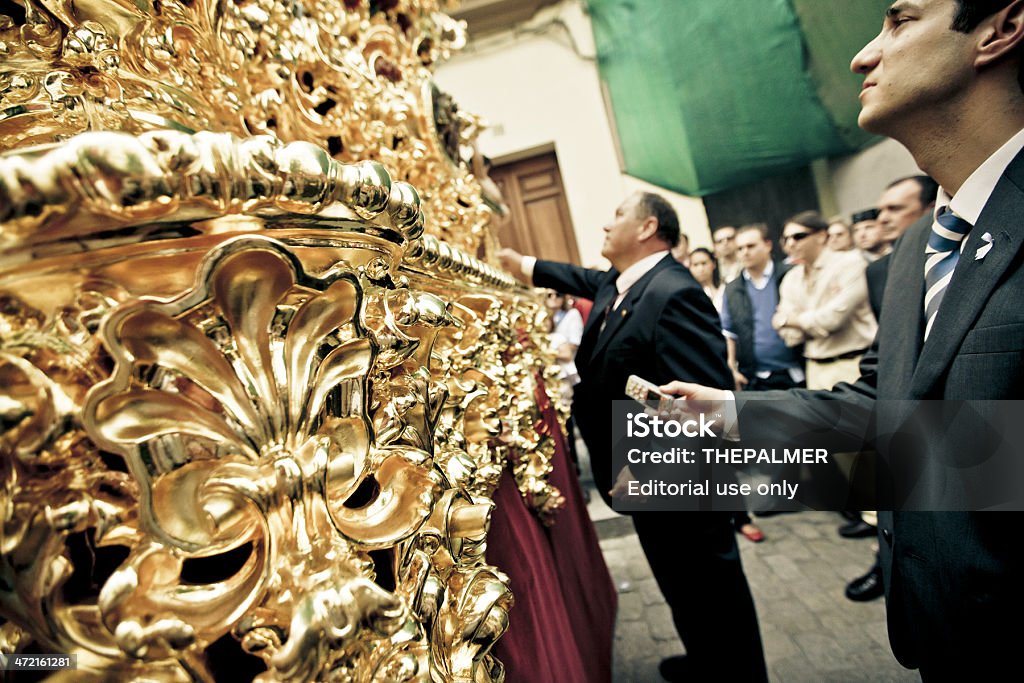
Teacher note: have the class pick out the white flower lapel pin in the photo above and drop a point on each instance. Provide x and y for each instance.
(985, 248)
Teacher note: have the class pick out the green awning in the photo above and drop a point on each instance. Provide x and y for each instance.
(711, 94)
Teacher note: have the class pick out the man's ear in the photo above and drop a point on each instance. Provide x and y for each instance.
(648, 229)
(1002, 34)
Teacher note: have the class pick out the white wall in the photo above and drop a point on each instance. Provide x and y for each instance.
(857, 180)
(535, 90)
(537, 86)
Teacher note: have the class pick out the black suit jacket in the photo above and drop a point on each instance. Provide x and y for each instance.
(953, 579)
(877, 273)
(666, 328)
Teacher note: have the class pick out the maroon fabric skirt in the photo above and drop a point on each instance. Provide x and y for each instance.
(562, 625)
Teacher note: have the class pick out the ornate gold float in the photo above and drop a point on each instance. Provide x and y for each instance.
(256, 386)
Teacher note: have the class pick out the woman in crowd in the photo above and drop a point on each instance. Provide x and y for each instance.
(566, 333)
(704, 269)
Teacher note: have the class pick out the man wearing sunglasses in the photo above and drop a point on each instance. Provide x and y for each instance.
(823, 303)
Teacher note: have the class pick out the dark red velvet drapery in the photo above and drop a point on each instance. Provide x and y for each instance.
(563, 621)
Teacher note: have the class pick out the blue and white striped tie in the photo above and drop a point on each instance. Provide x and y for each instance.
(942, 254)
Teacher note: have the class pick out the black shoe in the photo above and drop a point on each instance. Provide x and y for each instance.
(857, 529)
(676, 668)
(867, 587)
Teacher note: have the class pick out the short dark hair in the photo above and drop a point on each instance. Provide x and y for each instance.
(651, 204)
(759, 228)
(865, 215)
(929, 188)
(969, 14)
(809, 219)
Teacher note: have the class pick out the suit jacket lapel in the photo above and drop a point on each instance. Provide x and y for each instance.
(605, 297)
(973, 280)
(900, 326)
(618, 317)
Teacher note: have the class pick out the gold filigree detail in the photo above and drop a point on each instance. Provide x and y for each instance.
(239, 408)
(337, 74)
(58, 193)
(256, 389)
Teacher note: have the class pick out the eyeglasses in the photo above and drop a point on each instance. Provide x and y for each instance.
(796, 236)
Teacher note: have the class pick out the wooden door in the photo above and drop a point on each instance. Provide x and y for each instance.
(539, 223)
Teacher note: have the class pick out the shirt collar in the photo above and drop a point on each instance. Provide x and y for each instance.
(973, 195)
(822, 261)
(765, 276)
(629, 276)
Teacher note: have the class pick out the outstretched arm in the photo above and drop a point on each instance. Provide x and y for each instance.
(565, 277)
(839, 419)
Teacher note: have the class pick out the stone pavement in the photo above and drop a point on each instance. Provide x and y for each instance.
(811, 632)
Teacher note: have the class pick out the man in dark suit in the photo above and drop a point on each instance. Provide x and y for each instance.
(651, 318)
(942, 77)
(902, 204)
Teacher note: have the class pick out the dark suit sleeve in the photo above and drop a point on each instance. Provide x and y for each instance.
(565, 277)
(688, 341)
(841, 419)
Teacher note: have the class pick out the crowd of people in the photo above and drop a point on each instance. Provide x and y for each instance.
(803, 320)
(917, 298)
